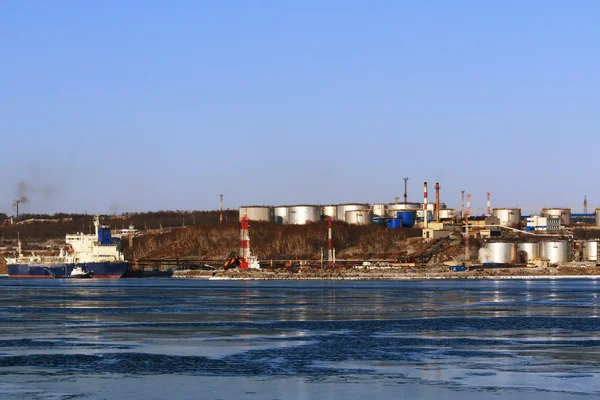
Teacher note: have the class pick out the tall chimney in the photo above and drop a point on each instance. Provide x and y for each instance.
(437, 202)
(489, 205)
(244, 242)
(425, 219)
(221, 210)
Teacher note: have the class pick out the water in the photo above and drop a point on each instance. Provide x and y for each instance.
(172, 338)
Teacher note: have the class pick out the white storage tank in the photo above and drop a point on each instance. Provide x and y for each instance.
(394, 208)
(447, 214)
(342, 208)
(556, 251)
(302, 214)
(329, 211)
(501, 252)
(510, 217)
(528, 251)
(431, 206)
(379, 210)
(257, 213)
(563, 213)
(359, 217)
(590, 250)
(280, 214)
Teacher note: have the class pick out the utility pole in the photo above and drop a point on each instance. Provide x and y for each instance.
(405, 188)
(467, 251)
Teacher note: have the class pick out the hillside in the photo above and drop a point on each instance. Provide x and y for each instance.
(43, 226)
(270, 241)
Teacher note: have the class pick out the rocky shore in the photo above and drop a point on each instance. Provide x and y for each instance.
(395, 273)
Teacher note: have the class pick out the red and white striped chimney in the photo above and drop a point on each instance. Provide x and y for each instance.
(425, 219)
(329, 243)
(489, 205)
(244, 242)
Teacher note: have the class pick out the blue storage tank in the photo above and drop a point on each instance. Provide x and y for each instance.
(407, 218)
(394, 223)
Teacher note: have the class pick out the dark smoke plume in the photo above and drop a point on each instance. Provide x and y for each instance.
(25, 191)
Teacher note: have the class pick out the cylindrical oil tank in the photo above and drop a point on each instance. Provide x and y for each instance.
(590, 250)
(394, 223)
(329, 211)
(393, 208)
(379, 210)
(528, 251)
(342, 208)
(280, 214)
(508, 216)
(501, 252)
(597, 216)
(257, 213)
(563, 213)
(556, 251)
(431, 206)
(301, 214)
(359, 217)
(447, 213)
(407, 218)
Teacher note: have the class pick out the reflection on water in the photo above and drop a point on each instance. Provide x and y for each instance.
(522, 338)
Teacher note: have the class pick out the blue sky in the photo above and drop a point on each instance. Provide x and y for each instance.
(146, 105)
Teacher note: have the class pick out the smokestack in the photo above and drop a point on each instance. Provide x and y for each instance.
(17, 210)
(405, 191)
(221, 210)
(425, 219)
(244, 242)
(489, 205)
(329, 243)
(462, 202)
(437, 202)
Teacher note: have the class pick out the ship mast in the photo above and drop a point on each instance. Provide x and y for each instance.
(19, 254)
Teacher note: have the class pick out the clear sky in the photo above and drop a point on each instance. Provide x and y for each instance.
(114, 106)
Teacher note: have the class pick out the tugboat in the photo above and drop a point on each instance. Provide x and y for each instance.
(98, 255)
(77, 273)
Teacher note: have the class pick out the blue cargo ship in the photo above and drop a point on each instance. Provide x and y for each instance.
(98, 254)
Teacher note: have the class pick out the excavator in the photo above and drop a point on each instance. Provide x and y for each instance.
(233, 261)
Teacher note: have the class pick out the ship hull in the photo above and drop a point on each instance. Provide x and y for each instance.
(101, 270)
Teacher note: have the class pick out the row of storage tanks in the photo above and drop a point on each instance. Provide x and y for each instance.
(355, 213)
(555, 251)
(512, 216)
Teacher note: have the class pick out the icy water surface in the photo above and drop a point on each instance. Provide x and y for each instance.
(188, 339)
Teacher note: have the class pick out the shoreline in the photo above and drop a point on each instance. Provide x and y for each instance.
(404, 278)
(437, 272)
